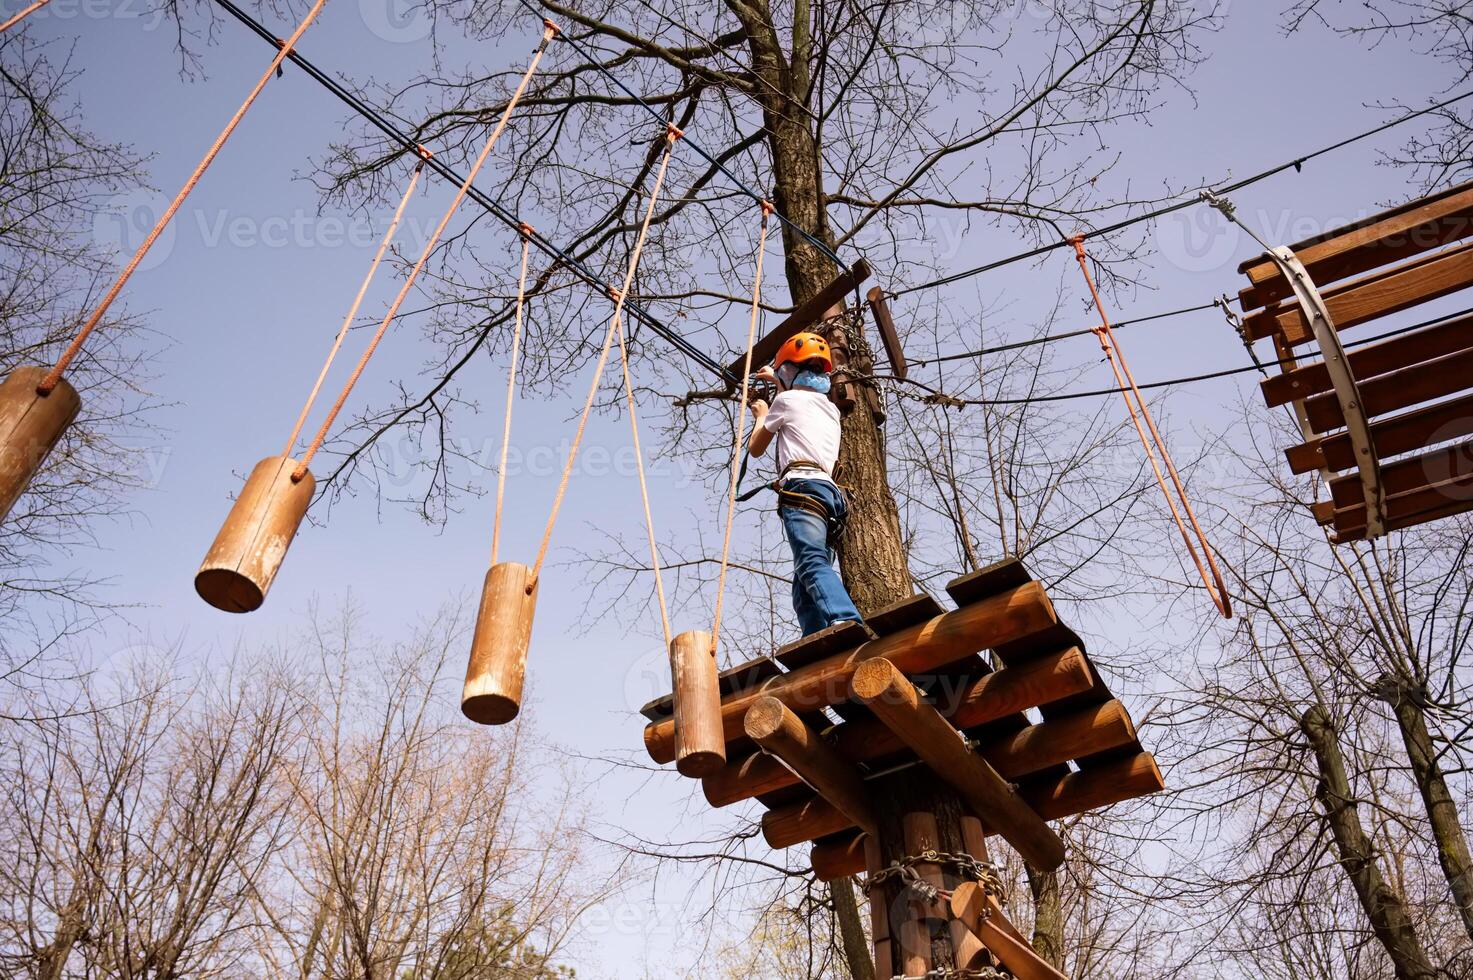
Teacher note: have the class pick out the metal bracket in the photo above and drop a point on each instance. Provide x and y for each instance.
(1347, 392)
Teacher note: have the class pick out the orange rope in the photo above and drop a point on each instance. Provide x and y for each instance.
(383, 246)
(53, 377)
(23, 15)
(511, 389)
(672, 133)
(549, 29)
(1124, 380)
(741, 428)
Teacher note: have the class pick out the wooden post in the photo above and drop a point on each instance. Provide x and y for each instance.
(893, 699)
(774, 727)
(700, 745)
(879, 911)
(497, 669)
(969, 904)
(920, 834)
(247, 553)
(30, 426)
(889, 337)
(1012, 615)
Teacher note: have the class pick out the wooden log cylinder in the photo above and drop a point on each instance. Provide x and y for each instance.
(498, 664)
(242, 563)
(773, 726)
(700, 744)
(894, 700)
(970, 907)
(30, 426)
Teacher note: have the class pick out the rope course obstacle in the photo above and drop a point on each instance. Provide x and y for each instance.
(1383, 471)
(812, 731)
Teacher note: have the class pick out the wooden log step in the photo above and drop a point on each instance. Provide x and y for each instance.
(1393, 436)
(1033, 749)
(894, 700)
(1053, 798)
(1395, 390)
(1379, 294)
(1001, 619)
(1366, 362)
(1391, 236)
(742, 677)
(986, 582)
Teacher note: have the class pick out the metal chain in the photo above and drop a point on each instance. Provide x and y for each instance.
(963, 866)
(956, 973)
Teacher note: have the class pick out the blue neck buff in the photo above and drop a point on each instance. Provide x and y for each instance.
(813, 381)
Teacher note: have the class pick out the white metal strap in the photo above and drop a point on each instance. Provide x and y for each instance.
(1347, 392)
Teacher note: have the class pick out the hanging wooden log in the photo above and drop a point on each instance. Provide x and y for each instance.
(1082, 732)
(700, 746)
(247, 553)
(497, 670)
(970, 907)
(885, 690)
(30, 426)
(1053, 797)
(774, 727)
(1008, 616)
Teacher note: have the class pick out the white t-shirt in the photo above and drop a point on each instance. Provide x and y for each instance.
(806, 426)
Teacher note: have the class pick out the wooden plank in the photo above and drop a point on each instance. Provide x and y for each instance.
(1395, 390)
(1372, 359)
(880, 307)
(1420, 507)
(1393, 436)
(1381, 293)
(1390, 236)
(825, 643)
(907, 612)
(803, 318)
(893, 699)
(1007, 574)
(1447, 466)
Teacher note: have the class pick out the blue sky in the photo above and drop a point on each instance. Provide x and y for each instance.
(252, 282)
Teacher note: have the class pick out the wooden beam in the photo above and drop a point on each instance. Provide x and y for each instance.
(774, 727)
(970, 906)
(1054, 798)
(1296, 384)
(803, 317)
(1379, 294)
(939, 641)
(879, 307)
(1390, 236)
(893, 698)
(1389, 392)
(1038, 747)
(1392, 436)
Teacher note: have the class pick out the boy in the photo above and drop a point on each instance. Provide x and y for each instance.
(806, 426)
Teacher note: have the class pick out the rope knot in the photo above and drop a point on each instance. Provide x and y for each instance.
(673, 132)
(526, 230)
(551, 28)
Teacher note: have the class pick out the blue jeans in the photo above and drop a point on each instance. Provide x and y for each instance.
(819, 597)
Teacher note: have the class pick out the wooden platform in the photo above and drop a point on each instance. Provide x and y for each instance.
(1078, 751)
(1416, 388)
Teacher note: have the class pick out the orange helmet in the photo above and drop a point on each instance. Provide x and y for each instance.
(804, 347)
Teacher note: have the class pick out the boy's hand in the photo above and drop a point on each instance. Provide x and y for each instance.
(759, 407)
(765, 373)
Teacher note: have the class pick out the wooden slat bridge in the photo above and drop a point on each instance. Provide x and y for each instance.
(1387, 424)
(807, 730)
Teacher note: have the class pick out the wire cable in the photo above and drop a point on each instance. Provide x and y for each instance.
(497, 210)
(1297, 164)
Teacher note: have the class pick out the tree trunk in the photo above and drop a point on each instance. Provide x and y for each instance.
(1383, 907)
(851, 929)
(1048, 916)
(1409, 704)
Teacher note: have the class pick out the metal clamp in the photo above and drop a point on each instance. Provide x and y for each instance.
(1347, 392)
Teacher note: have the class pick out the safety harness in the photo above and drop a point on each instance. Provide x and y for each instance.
(793, 498)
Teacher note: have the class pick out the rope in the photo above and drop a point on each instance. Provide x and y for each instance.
(672, 133)
(383, 246)
(511, 390)
(53, 377)
(23, 15)
(741, 428)
(548, 30)
(1139, 411)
